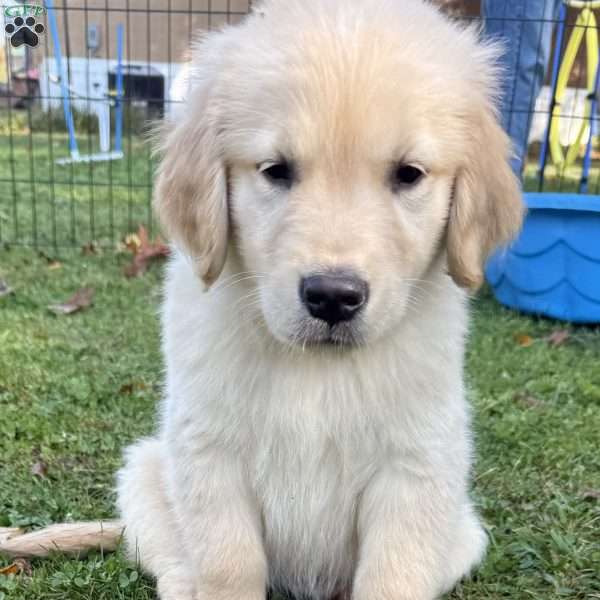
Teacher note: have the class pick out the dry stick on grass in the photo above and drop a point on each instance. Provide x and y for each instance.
(67, 538)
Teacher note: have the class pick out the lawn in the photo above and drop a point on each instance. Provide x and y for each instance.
(75, 390)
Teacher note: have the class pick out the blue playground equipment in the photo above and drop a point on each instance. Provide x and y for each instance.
(103, 110)
(553, 269)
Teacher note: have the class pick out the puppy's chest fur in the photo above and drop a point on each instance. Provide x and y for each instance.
(308, 484)
(310, 441)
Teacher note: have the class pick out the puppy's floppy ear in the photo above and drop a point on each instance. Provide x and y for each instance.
(487, 208)
(191, 188)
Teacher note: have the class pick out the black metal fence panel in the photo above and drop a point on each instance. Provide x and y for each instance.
(82, 80)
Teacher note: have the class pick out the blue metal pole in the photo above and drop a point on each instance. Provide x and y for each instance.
(587, 159)
(64, 80)
(560, 34)
(119, 98)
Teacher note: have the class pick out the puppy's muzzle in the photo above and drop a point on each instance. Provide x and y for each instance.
(334, 297)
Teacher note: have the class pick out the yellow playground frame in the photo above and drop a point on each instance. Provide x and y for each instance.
(586, 27)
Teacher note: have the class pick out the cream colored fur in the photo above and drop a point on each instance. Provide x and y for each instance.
(283, 463)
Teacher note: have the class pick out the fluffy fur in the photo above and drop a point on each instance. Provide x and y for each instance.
(281, 460)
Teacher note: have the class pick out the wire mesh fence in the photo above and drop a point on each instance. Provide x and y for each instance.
(76, 164)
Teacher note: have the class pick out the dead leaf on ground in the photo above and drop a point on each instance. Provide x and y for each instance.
(4, 289)
(144, 252)
(128, 388)
(591, 495)
(20, 566)
(133, 242)
(89, 249)
(524, 340)
(25, 566)
(528, 400)
(558, 338)
(81, 300)
(54, 265)
(39, 469)
(49, 259)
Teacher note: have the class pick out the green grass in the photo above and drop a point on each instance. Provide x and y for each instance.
(75, 390)
(43, 203)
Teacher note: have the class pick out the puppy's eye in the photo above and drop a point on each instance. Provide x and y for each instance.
(280, 173)
(406, 175)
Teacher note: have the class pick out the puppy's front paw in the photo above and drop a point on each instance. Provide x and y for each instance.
(393, 589)
(176, 588)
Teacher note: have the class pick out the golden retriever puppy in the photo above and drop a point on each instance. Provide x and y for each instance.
(333, 187)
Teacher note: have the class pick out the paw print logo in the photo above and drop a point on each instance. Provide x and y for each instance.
(24, 31)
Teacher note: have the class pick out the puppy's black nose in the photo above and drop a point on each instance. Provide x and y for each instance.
(335, 297)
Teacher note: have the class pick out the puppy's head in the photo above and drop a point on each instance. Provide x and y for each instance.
(345, 149)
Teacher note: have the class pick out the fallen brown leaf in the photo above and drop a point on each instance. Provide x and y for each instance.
(18, 567)
(82, 299)
(528, 400)
(39, 469)
(12, 569)
(49, 259)
(25, 566)
(144, 252)
(132, 242)
(4, 289)
(89, 249)
(558, 338)
(523, 340)
(128, 388)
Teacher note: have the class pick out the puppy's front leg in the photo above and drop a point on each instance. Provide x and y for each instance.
(221, 527)
(404, 525)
